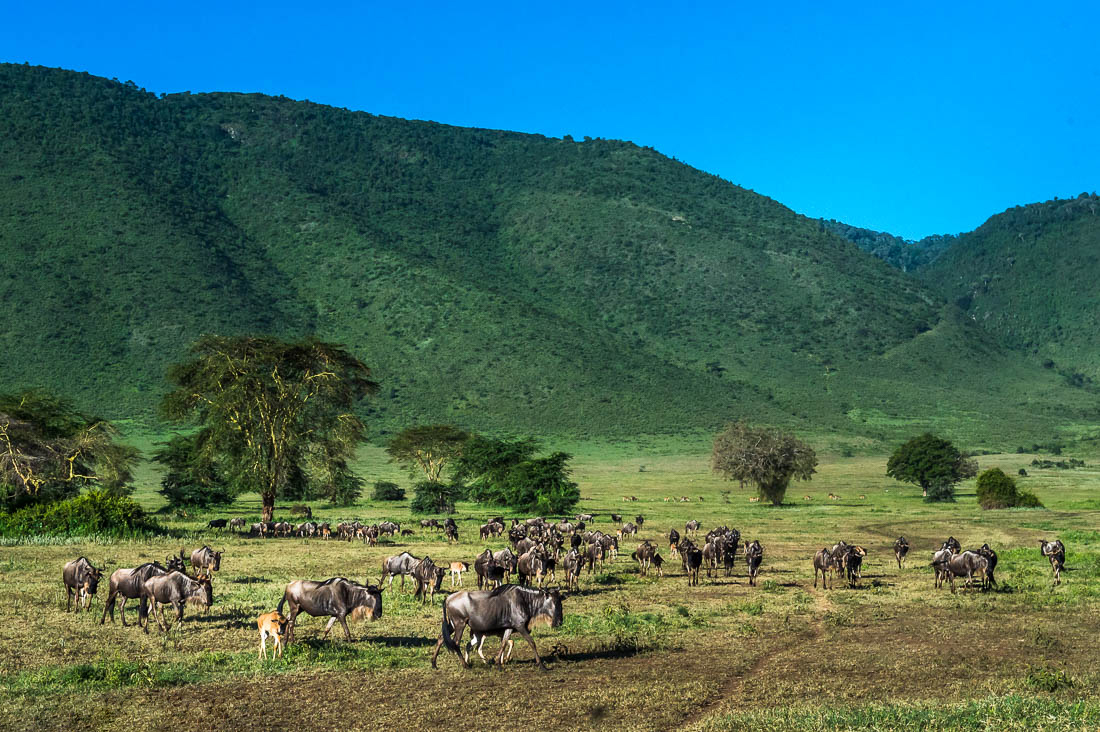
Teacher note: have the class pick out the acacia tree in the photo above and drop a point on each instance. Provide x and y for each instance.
(428, 448)
(934, 464)
(276, 417)
(49, 450)
(766, 457)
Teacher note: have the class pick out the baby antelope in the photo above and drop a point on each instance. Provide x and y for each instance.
(271, 624)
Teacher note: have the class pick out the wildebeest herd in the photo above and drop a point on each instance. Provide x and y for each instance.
(538, 549)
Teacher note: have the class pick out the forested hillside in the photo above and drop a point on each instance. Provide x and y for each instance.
(492, 279)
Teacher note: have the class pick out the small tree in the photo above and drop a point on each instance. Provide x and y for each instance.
(934, 464)
(434, 497)
(505, 472)
(766, 457)
(387, 491)
(190, 478)
(998, 490)
(428, 448)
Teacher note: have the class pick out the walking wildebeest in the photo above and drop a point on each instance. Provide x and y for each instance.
(1055, 551)
(754, 555)
(236, 524)
(507, 561)
(505, 610)
(128, 582)
(628, 529)
(389, 528)
(824, 562)
(81, 579)
(939, 559)
(966, 564)
(271, 624)
(337, 597)
(691, 527)
(594, 554)
(693, 560)
(572, 563)
(531, 565)
(643, 555)
(483, 564)
(659, 563)
(673, 542)
(853, 564)
(176, 589)
(401, 564)
(991, 559)
(901, 549)
(217, 523)
(428, 578)
(205, 558)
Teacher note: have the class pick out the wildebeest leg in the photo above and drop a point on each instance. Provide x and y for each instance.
(121, 610)
(110, 605)
(344, 622)
(331, 622)
(529, 639)
(506, 640)
(179, 614)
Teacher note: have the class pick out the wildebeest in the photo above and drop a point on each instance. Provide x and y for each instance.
(693, 560)
(301, 510)
(389, 528)
(128, 583)
(754, 555)
(336, 597)
(639, 520)
(643, 555)
(691, 527)
(81, 579)
(176, 589)
(283, 528)
(503, 611)
(939, 558)
(824, 563)
(507, 561)
(585, 516)
(658, 563)
(572, 563)
(428, 578)
(400, 564)
(673, 541)
(616, 518)
(1055, 551)
(258, 529)
(217, 523)
(592, 555)
(236, 523)
(483, 564)
(271, 624)
(628, 529)
(901, 549)
(991, 562)
(432, 524)
(531, 566)
(451, 531)
(966, 564)
(205, 558)
(853, 564)
(952, 544)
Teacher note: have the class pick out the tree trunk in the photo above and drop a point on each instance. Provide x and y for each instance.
(269, 507)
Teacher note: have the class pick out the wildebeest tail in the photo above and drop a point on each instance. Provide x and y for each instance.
(447, 627)
(143, 610)
(279, 607)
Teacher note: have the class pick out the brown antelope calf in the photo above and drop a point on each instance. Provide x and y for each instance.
(457, 568)
(271, 624)
(754, 499)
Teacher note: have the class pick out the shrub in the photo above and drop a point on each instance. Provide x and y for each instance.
(434, 497)
(95, 512)
(343, 489)
(387, 491)
(997, 490)
(191, 480)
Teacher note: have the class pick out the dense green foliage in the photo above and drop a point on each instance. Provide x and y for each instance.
(190, 478)
(497, 280)
(427, 448)
(998, 490)
(384, 490)
(97, 512)
(506, 472)
(906, 255)
(49, 451)
(933, 463)
(767, 458)
(275, 417)
(434, 497)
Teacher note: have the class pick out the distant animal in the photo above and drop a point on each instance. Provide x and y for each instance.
(754, 499)
(673, 541)
(236, 524)
(457, 568)
(691, 527)
(805, 498)
(336, 597)
(301, 510)
(585, 517)
(430, 524)
(639, 520)
(218, 523)
(205, 558)
(628, 529)
(952, 545)
(616, 518)
(966, 564)
(176, 589)
(862, 497)
(451, 530)
(901, 550)
(128, 583)
(684, 499)
(503, 611)
(82, 580)
(693, 560)
(853, 564)
(389, 528)
(1055, 551)
(407, 532)
(824, 563)
(273, 625)
(754, 556)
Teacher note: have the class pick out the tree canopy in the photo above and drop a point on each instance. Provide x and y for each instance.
(766, 457)
(506, 472)
(933, 463)
(277, 417)
(428, 448)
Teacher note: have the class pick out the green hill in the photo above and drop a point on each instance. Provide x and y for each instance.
(1029, 276)
(493, 279)
(904, 254)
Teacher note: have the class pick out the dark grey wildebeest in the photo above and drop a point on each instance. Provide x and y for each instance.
(205, 559)
(853, 564)
(531, 566)
(952, 544)
(939, 560)
(218, 523)
(824, 563)
(401, 564)
(507, 561)
(336, 598)
(572, 563)
(691, 527)
(967, 564)
(754, 556)
(128, 583)
(991, 561)
(901, 549)
(503, 611)
(643, 555)
(673, 542)
(693, 560)
(429, 578)
(176, 589)
(81, 579)
(1055, 551)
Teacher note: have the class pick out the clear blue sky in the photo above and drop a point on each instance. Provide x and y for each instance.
(914, 118)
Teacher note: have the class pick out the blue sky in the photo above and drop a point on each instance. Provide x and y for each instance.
(920, 119)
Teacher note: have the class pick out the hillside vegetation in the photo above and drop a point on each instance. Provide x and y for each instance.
(495, 280)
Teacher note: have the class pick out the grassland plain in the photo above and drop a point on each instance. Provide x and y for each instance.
(634, 652)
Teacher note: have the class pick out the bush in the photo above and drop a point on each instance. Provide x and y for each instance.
(387, 491)
(95, 512)
(997, 490)
(434, 497)
(190, 479)
(344, 489)
(944, 493)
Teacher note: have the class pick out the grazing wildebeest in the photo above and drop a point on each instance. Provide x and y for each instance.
(754, 555)
(853, 564)
(693, 560)
(824, 562)
(616, 518)
(401, 564)
(176, 589)
(966, 564)
(639, 520)
(432, 524)
(236, 524)
(451, 531)
(217, 523)
(81, 579)
(258, 529)
(691, 527)
(673, 541)
(991, 560)
(128, 582)
(205, 558)
(901, 549)
(643, 555)
(952, 544)
(389, 528)
(1055, 551)
(457, 568)
(283, 528)
(429, 578)
(272, 624)
(628, 529)
(505, 610)
(336, 597)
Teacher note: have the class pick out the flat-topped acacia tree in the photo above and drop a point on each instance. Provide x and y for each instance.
(276, 416)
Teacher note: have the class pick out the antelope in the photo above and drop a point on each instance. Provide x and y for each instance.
(271, 624)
